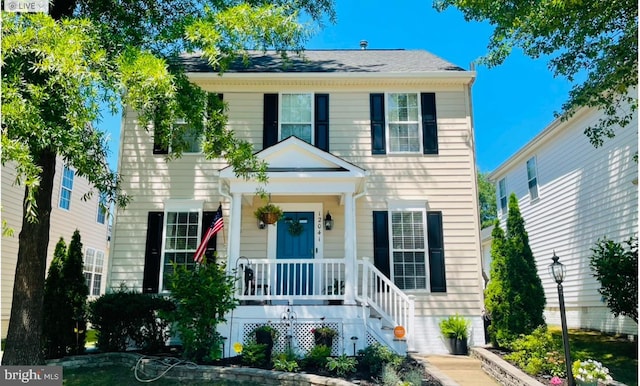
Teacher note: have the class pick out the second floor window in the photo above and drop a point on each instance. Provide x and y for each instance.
(66, 188)
(296, 116)
(502, 195)
(403, 117)
(532, 177)
(102, 209)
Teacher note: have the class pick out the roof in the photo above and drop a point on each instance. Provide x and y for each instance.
(329, 61)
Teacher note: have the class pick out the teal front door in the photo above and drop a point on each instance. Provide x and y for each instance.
(295, 241)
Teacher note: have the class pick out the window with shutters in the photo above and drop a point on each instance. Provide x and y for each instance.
(532, 178)
(181, 235)
(191, 137)
(66, 188)
(403, 123)
(102, 209)
(296, 116)
(93, 268)
(408, 247)
(502, 195)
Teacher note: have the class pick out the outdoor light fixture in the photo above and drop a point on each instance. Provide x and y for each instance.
(261, 224)
(557, 271)
(328, 222)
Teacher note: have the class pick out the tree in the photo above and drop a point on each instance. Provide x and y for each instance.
(486, 200)
(616, 268)
(56, 307)
(58, 70)
(591, 39)
(514, 297)
(76, 291)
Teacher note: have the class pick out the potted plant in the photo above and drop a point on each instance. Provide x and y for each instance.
(268, 213)
(324, 335)
(456, 329)
(587, 373)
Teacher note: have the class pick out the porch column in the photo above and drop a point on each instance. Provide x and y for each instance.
(234, 229)
(350, 272)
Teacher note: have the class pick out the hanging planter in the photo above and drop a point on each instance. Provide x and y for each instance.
(269, 214)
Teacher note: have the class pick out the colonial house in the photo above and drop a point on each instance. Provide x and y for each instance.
(371, 158)
(69, 211)
(570, 195)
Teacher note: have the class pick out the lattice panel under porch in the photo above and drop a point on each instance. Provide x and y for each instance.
(301, 332)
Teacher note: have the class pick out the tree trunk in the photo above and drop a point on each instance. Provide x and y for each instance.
(25, 324)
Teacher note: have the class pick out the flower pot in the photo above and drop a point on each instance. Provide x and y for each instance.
(458, 346)
(270, 218)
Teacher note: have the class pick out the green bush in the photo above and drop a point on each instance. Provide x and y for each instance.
(374, 358)
(255, 355)
(455, 326)
(317, 357)
(342, 365)
(286, 365)
(537, 353)
(125, 317)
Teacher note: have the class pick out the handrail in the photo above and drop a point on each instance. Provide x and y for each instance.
(268, 279)
(378, 292)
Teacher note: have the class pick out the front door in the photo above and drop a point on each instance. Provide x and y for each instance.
(295, 241)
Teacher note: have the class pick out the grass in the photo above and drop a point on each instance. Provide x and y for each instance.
(614, 352)
(121, 375)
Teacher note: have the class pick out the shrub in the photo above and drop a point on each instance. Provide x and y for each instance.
(390, 376)
(342, 365)
(317, 357)
(254, 355)
(537, 353)
(374, 358)
(124, 317)
(286, 365)
(203, 296)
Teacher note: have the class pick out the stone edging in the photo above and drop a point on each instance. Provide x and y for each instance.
(239, 374)
(500, 370)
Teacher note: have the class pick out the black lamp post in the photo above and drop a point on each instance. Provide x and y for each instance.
(557, 270)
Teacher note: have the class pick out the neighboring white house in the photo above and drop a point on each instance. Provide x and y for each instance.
(68, 213)
(379, 140)
(571, 194)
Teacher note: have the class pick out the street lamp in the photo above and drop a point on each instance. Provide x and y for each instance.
(557, 270)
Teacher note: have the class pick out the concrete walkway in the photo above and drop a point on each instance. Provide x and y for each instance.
(456, 370)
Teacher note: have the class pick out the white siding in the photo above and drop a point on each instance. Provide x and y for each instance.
(585, 194)
(82, 215)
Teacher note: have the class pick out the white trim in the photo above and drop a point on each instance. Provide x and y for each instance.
(184, 205)
(396, 204)
(318, 240)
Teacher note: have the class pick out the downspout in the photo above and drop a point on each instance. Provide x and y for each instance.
(228, 197)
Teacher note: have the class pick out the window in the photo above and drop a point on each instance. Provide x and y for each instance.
(93, 262)
(532, 177)
(180, 241)
(102, 209)
(408, 248)
(66, 188)
(403, 117)
(502, 195)
(296, 116)
(191, 137)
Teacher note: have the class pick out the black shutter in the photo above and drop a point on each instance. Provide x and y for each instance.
(270, 120)
(381, 242)
(376, 111)
(153, 253)
(429, 123)
(436, 252)
(207, 218)
(322, 121)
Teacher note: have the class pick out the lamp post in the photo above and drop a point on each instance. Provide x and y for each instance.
(557, 271)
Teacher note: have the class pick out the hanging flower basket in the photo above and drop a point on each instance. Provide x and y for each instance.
(269, 213)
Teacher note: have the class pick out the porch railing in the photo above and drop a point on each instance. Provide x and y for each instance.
(378, 292)
(264, 280)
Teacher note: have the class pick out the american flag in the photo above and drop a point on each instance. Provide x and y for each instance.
(216, 225)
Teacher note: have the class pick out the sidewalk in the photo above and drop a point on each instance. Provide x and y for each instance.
(456, 370)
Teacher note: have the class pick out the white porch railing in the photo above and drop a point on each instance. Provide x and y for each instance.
(377, 291)
(264, 280)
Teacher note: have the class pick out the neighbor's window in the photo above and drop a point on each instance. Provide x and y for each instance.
(408, 248)
(102, 209)
(296, 116)
(403, 117)
(93, 262)
(502, 195)
(532, 177)
(66, 188)
(180, 242)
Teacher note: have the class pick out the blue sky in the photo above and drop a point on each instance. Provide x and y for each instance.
(511, 103)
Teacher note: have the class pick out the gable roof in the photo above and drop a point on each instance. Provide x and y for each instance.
(329, 61)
